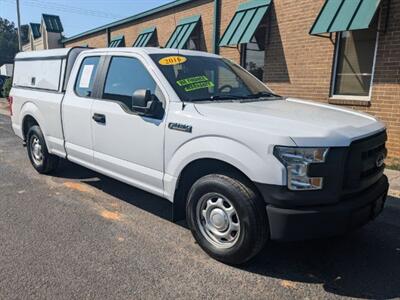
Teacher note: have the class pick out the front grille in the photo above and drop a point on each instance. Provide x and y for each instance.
(362, 169)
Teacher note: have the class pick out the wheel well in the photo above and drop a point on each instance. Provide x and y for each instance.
(194, 171)
(27, 123)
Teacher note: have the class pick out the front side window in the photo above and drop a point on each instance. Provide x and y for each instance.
(125, 76)
(253, 53)
(206, 78)
(355, 62)
(86, 76)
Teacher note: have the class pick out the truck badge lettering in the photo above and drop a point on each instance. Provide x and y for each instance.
(180, 127)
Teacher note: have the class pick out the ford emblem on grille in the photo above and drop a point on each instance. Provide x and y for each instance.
(380, 160)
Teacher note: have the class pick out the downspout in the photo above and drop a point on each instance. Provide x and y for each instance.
(108, 36)
(217, 20)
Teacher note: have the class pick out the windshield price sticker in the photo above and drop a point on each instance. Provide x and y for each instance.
(195, 83)
(172, 60)
(191, 80)
(198, 86)
(86, 75)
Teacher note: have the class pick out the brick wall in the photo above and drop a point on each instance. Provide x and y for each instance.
(297, 64)
(95, 40)
(165, 23)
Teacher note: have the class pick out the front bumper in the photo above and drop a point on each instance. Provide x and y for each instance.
(300, 223)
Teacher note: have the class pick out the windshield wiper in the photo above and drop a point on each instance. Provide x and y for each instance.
(262, 95)
(218, 98)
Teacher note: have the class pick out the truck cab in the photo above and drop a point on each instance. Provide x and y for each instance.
(240, 163)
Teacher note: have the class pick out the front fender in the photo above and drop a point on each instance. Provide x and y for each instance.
(261, 168)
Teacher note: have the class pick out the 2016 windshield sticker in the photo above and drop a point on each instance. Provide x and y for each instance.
(195, 83)
(172, 60)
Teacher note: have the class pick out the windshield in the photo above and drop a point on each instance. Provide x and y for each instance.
(201, 78)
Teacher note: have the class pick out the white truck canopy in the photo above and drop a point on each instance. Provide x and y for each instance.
(46, 69)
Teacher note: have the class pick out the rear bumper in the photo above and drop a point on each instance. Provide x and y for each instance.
(322, 221)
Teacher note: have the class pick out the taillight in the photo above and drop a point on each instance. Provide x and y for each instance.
(10, 104)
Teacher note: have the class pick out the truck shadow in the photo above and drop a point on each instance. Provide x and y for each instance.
(363, 264)
(155, 205)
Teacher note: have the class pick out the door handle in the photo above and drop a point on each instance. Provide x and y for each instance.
(99, 118)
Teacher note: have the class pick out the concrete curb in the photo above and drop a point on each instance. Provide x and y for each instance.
(394, 181)
(4, 107)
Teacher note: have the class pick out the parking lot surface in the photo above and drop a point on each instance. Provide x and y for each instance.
(78, 234)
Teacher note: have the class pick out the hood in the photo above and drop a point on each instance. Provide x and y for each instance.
(306, 123)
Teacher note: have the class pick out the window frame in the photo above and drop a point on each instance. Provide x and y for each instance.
(195, 36)
(94, 93)
(333, 96)
(103, 73)
(243, 49)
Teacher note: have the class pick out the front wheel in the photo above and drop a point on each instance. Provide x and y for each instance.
(227, 218)
(38, 154)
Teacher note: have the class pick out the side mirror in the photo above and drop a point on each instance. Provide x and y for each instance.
(141, 99)
(144, 103)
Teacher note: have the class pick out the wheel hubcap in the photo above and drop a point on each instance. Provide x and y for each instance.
(218, 220)
(36, 150)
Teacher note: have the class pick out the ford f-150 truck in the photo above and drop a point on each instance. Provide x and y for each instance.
(242, 164)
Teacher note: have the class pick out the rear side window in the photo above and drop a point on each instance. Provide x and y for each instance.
(87, 74)
(125, 76)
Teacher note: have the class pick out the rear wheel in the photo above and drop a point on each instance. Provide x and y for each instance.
(38, 154)
(227, 218)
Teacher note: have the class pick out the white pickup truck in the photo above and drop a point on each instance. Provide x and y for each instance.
(240, 163)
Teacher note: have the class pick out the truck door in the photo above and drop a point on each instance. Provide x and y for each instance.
(76, 113)
(128, 146)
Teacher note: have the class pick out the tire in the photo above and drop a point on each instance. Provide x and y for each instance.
(41, 159)
(209, 211)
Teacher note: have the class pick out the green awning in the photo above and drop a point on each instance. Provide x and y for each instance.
(182, 32)
(345, 15)
(53, 23)
(117, 41)
(245, 22)
(35, 28)
(144, 37)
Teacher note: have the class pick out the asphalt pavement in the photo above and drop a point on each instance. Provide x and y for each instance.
(80, 235)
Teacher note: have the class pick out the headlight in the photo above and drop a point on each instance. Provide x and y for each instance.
(296, 161)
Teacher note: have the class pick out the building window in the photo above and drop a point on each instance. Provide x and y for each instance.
(354, 65)
(253, 53)
(193, 42)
